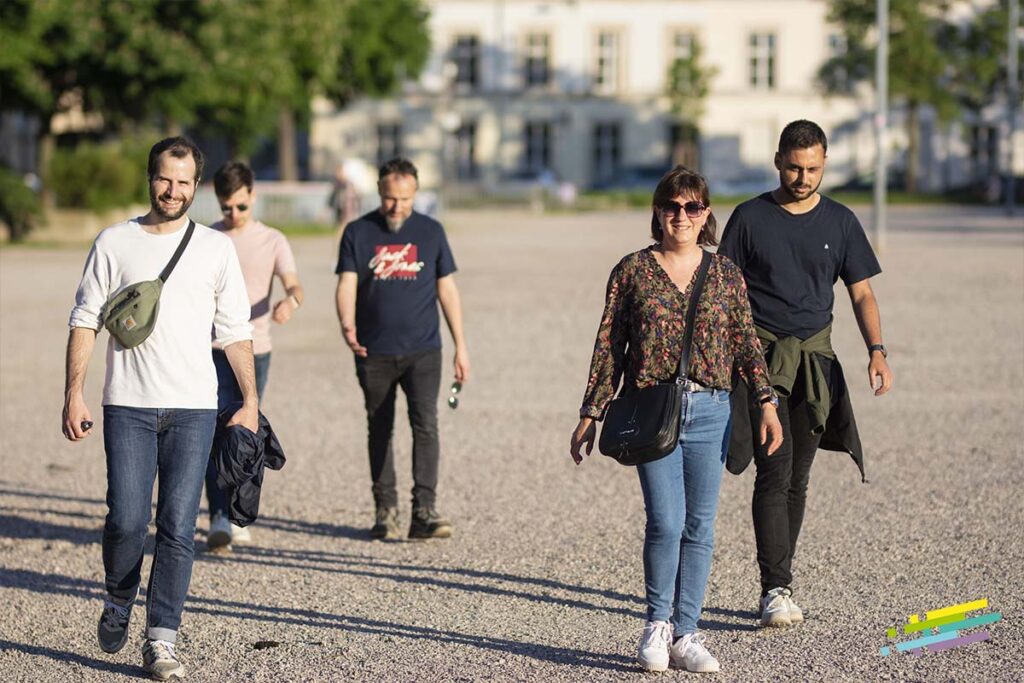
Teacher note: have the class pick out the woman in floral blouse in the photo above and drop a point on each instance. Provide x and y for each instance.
(640, 342)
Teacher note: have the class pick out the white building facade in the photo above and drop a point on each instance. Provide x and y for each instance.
(576, 89)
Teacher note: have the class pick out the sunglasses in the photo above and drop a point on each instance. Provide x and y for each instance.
(692, 209)
(453, 400)
(226, 210)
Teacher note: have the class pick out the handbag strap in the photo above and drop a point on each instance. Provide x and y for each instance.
(691, 316)
(166, 273)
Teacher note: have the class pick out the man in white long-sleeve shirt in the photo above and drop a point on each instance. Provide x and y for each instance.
(160, 397)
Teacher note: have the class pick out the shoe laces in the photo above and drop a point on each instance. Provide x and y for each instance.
(114, 613)
(696, 641)
(657, 632)
(161, 649)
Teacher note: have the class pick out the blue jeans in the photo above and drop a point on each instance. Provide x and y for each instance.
(142, 444)
(681, 500)
(228, 392)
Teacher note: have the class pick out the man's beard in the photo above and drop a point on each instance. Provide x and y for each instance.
(154, 203)
(803, 194)
(394, 224)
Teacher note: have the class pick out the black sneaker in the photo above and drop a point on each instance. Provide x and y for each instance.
(112, 631)
(385, 524)
(427, 523)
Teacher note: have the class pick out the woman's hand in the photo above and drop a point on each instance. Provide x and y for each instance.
(770, 426)
(584, 434)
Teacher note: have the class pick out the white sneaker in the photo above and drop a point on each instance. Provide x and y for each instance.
(160, 662)
(689, 653)
(220, 532)
(796, 615)
(240, 534)
(775, 608)
(654, 643)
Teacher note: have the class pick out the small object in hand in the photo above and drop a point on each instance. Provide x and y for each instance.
(453, 400)
(86, 425)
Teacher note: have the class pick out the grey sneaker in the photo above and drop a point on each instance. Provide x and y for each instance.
(160, 662)
(688, 652)
(385, 524)
(775, 608)
(427, 523)
(219, 535)
(112, 631)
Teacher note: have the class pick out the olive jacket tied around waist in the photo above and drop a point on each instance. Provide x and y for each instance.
(828, 404)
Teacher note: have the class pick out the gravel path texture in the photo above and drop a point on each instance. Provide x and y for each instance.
(543, 580)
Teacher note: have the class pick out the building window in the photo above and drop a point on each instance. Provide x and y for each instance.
(465, 152)
(607, 151)
(762, 60)
(836, 51)
(466, 56)
(537, 144)
(607, 72)
(389, 142)
(537, 67)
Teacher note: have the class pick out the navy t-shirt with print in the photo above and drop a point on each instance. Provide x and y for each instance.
(791, 261)
(396, 302)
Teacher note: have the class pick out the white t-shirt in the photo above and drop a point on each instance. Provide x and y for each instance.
(173, 368)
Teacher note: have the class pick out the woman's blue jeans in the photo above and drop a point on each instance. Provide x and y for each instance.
(681, 500)
(141, 445)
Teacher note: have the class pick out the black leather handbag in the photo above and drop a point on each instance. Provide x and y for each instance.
(643, 425)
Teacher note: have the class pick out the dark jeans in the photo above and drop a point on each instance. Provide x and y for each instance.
(229, 392)
(419, 376)
(142, 444)
(780, 489)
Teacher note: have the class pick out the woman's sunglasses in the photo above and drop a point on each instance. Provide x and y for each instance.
(226, 210)
(453, 399)
(692, 209)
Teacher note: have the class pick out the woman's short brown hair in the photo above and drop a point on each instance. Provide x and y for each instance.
(682, 181)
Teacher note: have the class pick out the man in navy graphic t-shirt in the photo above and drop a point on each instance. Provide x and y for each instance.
(394, 267)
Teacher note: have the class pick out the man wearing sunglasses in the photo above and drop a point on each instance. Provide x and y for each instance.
(792, 245)
(263, 253)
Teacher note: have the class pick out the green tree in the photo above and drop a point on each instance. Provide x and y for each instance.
(920, 73)
(688, 85)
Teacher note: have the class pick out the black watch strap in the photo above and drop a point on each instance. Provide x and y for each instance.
(877, 347)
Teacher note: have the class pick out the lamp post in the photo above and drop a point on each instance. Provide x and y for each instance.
(449, 122)
(881, 122)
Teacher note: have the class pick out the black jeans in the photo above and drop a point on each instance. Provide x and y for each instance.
(780, 488)
(419, 376)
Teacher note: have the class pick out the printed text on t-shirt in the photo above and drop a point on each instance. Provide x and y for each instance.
(395, 261)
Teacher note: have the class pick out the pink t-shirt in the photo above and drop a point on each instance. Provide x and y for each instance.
(263, 253)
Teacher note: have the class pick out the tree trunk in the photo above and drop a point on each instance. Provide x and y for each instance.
(45, 147)
(913, 147)
(287, 158)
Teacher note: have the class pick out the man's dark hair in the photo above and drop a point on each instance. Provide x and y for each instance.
(399, 165)
(232, 177)
(682, 181)
(178, 147)
(802, 134)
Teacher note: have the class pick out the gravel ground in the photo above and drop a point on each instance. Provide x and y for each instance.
(543, 579)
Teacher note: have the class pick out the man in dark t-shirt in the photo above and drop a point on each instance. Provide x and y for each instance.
(394, 266)
(792, 245)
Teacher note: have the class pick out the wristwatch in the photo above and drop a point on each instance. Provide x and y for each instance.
(877, 347)
(772, 398)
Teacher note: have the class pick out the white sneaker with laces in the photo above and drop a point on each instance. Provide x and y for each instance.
(159, 660)
(652, 654)
(775, 608)
(219, 535)
(240, 534)
(689, 653)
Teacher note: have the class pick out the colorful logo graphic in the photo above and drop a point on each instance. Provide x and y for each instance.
(941, 629)
(395, 262)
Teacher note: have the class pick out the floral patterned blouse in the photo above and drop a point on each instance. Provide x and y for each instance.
(641, 334)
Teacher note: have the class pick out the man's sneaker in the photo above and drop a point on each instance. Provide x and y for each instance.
(240, 534)
(220, 532)
(796, 615)
(689, 653)
(427, 523)
(652, 653)
(159, 661)
(112, 631)
(385, 524)
(775, 608)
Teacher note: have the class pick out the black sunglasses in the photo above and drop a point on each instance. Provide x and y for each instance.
(226, 210)
(693, 209)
